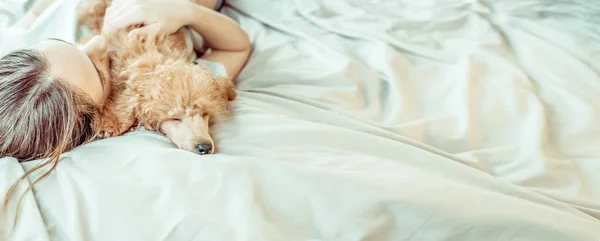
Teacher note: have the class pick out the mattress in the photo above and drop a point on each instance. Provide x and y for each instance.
(357, 120)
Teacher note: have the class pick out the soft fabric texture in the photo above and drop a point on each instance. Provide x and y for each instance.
(361, 120)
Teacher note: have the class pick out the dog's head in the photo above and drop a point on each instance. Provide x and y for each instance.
(182, 101)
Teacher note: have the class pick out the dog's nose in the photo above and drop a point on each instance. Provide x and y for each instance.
(204, 149)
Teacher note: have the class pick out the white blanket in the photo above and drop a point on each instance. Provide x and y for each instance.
(362, 120)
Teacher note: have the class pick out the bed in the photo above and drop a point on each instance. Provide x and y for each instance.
(358, 120)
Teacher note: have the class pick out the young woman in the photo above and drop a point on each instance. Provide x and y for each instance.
(51, 92)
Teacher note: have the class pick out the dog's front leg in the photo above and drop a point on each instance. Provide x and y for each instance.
(109, 125)
(227, 88)
(119, 116)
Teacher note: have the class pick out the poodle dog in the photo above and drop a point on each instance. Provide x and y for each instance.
(155, 84)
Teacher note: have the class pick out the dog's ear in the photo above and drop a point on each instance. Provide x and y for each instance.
(227, 88)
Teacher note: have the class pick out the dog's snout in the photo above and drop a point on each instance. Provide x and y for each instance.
(204, 149)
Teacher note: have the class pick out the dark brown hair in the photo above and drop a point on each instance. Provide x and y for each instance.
(41, 116)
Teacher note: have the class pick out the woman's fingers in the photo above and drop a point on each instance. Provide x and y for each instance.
(109, 17)
(161, 16)
(115, 9)
(122, 17)
(120, 14)
(149, 30)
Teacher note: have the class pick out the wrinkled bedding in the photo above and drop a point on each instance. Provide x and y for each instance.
(359, 120)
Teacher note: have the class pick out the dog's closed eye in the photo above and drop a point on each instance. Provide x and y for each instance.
(173, 119)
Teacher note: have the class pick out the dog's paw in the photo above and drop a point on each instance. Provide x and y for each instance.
(105, 134)
(108, 131)
(110, 127)
(231, 94)
(113, 130)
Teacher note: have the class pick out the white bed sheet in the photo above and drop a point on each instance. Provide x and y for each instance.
(361, 120)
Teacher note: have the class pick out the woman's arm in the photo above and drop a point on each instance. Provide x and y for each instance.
(212, 4)
(229, 44)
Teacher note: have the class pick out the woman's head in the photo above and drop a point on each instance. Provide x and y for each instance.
(86, 69)
(49, 95)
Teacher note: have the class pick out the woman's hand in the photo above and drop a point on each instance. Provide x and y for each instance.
(229, 44)
(154, 16)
